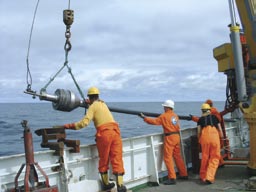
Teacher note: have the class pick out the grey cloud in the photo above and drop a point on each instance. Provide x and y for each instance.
(149, 48)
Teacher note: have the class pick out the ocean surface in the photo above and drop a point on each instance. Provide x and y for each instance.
(42, 115)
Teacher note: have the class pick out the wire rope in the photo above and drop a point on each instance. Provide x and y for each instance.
(29, 76)
(68, 20)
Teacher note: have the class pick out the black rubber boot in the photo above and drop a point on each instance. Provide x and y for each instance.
(108, 187)
(120, 183)
(170, 182)
(105, 183)
(121, 188)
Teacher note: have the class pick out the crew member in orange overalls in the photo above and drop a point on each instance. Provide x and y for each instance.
(215, 112)
(108, 139)
(208, 135)
(170, 123)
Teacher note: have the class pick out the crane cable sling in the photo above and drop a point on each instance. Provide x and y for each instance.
(68, 20)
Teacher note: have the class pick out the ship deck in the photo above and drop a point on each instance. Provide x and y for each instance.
(228, 178)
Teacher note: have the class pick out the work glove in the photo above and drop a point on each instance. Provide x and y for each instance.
(86, 103)
(194, 118)
(69, 126)
(141, 115)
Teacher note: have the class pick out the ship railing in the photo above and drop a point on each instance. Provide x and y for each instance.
(143, 161)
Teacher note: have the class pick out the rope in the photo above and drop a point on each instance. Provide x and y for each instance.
(29, 76)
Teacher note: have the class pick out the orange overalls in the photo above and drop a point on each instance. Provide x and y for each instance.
(209, 140)
(109, 146)
(170, 123)
(215, 112)
(108, 138)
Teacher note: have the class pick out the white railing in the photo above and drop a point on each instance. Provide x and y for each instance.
(142, 155)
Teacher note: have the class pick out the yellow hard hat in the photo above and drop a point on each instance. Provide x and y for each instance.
(205, 106)
(93, 91)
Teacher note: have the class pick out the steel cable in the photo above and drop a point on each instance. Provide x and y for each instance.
(29, 76)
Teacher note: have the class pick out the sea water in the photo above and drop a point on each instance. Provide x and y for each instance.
(42, 115)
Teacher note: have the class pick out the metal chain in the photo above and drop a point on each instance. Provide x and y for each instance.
(67, 46)
(68, 20)
(68, 17)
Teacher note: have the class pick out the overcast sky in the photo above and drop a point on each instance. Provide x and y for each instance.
(132, 50)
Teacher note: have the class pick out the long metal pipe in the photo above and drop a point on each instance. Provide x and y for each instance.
(65, 100)
(132, 112)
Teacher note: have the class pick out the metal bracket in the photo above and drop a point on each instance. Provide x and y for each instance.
(59, 135)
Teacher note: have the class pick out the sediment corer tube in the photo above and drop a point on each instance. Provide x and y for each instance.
(62, 100)
(131, 112)
(65, 100)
